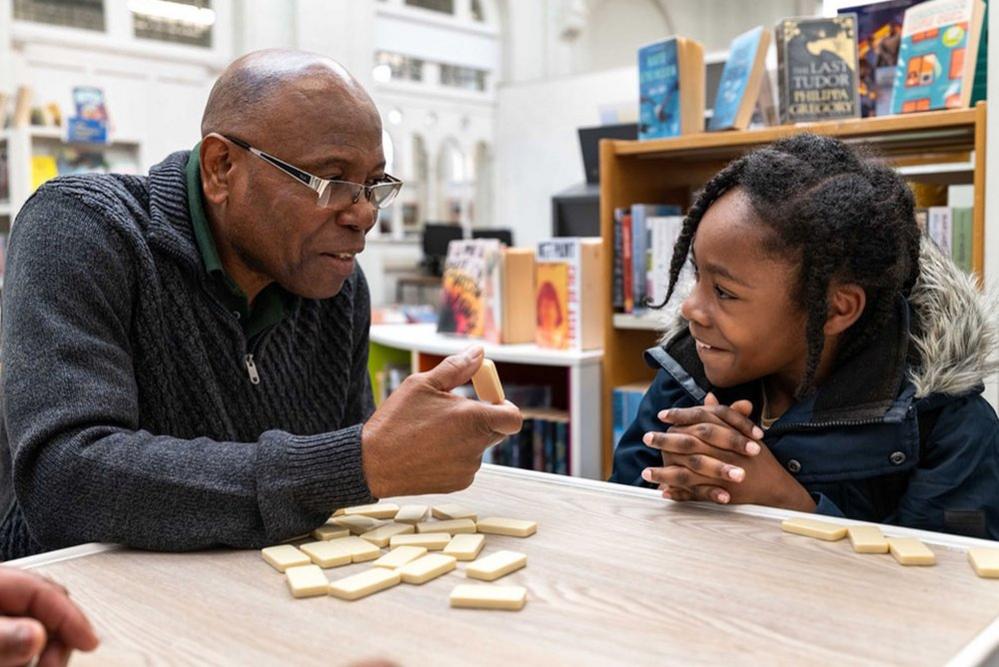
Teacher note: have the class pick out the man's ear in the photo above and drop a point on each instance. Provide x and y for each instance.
(216, 168)
(846, 305)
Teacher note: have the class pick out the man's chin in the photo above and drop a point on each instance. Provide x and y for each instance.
(317, 290)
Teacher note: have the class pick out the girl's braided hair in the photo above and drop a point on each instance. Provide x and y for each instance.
(841, 216)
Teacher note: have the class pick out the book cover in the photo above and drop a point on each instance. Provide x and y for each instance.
(471, 286)
(938, 228)
(665, 232)
(518, 288)
(571, 291)
(43, 168)
(627, 263)
(879, 36)
(962, 237)
(618, 266)
(741, 78)
(562, 448)
(817, 63)
(979, 91)
(659, 90)
(937, 56)
(640, 238)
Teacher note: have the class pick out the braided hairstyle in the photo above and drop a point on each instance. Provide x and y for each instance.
(839, 215)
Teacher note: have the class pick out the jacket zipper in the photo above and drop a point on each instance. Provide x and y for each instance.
(251, 369)
(825, 424)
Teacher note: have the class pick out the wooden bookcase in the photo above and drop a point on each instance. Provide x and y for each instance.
(946, 147)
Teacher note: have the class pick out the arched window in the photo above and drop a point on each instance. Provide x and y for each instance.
(453, 183)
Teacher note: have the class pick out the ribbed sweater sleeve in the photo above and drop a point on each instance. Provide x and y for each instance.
(82, 469)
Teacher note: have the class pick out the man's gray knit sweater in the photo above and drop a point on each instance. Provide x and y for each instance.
(128, 412)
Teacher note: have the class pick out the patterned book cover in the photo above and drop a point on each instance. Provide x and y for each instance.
(879, 36)
(817, 66)
(659, 90)
(470, 301)
(734, 86)
(936, 39)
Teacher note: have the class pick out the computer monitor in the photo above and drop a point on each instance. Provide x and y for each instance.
(589, 144)
(436, 238)
(504, 235)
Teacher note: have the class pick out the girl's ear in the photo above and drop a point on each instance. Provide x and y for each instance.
(846, 305)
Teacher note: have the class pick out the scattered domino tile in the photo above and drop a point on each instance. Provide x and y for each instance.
(411, 514)
(984, 561)
(465, 546)
(307, 581)
(512, 527)
(339, 512)
(867, 540)
(910, 551)
(378, 511)
(284, 556)
(430, 541)
(365, 583)
(400, 556)
(451, 527)
(496, 565)
(380, 536)
(357, 523)
(811, 528)
(426, 568)
(471, 596)
(358, 549)
(453, 511)
(327, 553)
(487, 383)
(330, 531)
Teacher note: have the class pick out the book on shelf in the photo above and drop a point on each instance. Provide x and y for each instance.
(641, 236)
(979, 91)
(962, 232)
(663, 233)
(617, 266)
(627, 271)
(518, 323)
(938, 228)
(817, 68)
(625, 402)
(22, 107)
(938, 55)
(43, 168)
(670, 88)
(542, 445)
(471, 285)
(765, 114)
(741, 79)
(879, 36)
(569, 283)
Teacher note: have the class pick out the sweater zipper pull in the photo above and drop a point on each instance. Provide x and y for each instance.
(251, 370)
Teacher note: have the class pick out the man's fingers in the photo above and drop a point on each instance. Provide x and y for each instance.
(26, 594)
(504, 419)
(455, 370)
(707, 466)
(56, 654)
(21, 639)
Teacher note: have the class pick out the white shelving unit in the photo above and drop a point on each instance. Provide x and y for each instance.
(584, 380)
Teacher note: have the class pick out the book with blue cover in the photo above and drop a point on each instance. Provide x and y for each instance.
(937, 56)
(740, 81)
(670, 88)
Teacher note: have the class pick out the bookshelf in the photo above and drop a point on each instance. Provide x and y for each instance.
(575, 378)
(946, 147)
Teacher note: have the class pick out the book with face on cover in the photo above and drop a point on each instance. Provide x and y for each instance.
(938, 56)
(571, 293)
(817, 68)
(471, 289)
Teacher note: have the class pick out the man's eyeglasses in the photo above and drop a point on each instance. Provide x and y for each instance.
(331, 192)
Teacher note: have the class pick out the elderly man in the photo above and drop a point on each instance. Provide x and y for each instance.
(185, 354)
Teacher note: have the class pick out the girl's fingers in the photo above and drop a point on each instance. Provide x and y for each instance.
(708, 466)
(678, 476)
(719, 414)
(701, 439)
(715, 494)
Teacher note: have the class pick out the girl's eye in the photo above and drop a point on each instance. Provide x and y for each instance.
(722, 294)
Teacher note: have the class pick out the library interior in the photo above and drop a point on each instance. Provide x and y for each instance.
(693, 305)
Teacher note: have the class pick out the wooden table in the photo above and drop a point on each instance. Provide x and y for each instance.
(615, 575)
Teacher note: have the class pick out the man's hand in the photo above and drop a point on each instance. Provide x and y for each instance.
(424, 439)
(37, 618)
(711, 452)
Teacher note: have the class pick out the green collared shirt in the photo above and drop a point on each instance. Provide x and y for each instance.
(270, 306)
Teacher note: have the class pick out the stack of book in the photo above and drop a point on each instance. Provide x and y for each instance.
(951, 230)
(644, 236)
(542, 444)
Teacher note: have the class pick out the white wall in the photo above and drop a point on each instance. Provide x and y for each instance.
(537, 148)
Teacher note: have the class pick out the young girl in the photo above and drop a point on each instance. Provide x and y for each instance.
(829, 360)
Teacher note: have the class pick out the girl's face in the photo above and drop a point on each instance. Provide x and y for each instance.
(741, 311)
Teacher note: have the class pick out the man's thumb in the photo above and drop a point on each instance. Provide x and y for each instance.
(21, 639)
(457, 369)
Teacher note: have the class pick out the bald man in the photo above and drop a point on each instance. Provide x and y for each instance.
(184, 358)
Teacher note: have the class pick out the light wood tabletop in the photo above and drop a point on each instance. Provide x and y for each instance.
(615, 575)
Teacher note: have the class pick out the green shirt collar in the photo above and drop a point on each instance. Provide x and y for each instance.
(270, 306)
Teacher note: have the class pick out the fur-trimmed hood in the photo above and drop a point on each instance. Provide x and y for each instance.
(953, 332)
